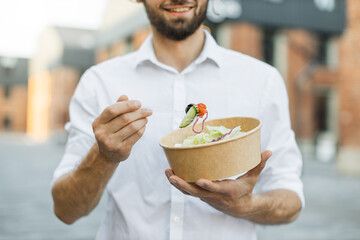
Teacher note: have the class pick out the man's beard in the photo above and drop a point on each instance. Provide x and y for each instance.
(178, 29)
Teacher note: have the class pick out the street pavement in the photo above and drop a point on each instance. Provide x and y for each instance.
(332, 209)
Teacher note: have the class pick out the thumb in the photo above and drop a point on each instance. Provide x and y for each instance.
(122, 98)
(255, 172)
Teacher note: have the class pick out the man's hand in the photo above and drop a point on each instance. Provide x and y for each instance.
(119, 127)
(233, 197)
(116, 130)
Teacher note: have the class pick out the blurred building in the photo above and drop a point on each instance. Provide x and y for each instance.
(13, 93)
(124, 27)
(313, 43)
(62, 57)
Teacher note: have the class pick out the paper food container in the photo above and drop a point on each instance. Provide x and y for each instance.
(215, 160)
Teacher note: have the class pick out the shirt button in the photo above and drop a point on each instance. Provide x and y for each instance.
(176, 219)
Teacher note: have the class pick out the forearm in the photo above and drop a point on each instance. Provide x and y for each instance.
(274, 207)
(77, 193)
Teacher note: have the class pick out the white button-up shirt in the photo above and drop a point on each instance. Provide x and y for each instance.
(141, 203)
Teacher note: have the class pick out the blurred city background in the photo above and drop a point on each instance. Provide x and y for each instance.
(45, 47)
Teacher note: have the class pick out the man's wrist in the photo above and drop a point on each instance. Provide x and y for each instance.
(101, 158)
(258, 204)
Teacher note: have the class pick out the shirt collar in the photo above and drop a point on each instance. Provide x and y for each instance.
(210, 51)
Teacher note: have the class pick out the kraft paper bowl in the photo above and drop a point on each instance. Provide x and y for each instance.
(215, 160)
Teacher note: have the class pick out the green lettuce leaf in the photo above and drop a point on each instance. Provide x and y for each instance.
(214, 133)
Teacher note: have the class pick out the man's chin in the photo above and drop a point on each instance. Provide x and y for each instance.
(178, 36)
(180, 22)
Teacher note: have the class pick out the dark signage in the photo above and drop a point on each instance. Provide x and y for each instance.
(327, 16)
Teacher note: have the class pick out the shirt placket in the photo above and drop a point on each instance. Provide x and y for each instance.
(177, 198)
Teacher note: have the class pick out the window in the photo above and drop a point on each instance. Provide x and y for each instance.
(6, 122)
(6, 90)
(321, 112)
(332, 53)
(327, 51)
(326, 110)
(322, 52)
(268, 46)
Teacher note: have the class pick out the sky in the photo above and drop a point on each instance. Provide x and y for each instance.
(22, 21)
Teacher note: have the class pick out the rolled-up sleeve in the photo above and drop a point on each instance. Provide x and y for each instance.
(83, 110)
(284, 168)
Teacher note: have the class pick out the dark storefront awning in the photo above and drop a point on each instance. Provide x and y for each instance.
(327, 16)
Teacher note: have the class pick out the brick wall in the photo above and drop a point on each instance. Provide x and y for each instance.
(349, 79)
(63, 84)
(246, 38)
(349, 91)
(13, 108)
(301, 49)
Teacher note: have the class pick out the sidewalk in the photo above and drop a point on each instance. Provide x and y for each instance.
(26, 169)
(332, 209)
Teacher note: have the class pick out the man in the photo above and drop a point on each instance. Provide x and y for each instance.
(180, 63)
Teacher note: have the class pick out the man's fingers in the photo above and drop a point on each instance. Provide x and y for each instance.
(266, 155)
(126, 119)
(122, 98)
(117, 109)
(189, 188)
(130, 129)
(215, 187)
(169, 173)
(255, 172)
(130, 141)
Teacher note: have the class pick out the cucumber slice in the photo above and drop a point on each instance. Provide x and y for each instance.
(189, 117)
